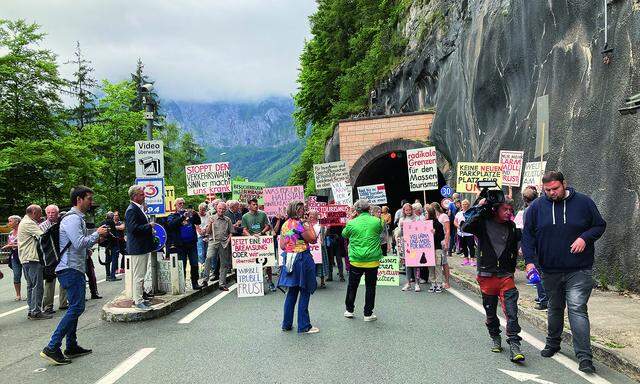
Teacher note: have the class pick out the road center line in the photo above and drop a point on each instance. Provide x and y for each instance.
(535, 342)
(125, 366)
(19, 309)
(198, 311)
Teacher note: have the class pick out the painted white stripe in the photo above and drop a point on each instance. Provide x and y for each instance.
(125, 366)
(19, 309)
(198, 311)
(535, 342)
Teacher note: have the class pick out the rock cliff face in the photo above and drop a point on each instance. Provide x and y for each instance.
(481, 64)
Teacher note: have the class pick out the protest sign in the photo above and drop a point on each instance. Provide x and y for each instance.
(469, 174)
(243, 191)
(519, 219)
(333, 215)
(203, 179)
(419, 248)
(327, 173)
(375, 194)
(316, 252)
(169, 200)
(252, 250)
(533, 172)
(250, 281)
(277, 199)
(388, 272)
(423, 169)
(511, 163)
(342, 193)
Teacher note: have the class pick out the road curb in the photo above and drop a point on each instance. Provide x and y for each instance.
(113, 314)
(602, 353)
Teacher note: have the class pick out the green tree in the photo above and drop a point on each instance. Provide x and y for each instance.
(81, 86)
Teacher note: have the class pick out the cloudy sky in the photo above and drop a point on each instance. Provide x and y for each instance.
(194, 49)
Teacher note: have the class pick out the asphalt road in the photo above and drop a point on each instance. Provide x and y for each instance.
(419, 338)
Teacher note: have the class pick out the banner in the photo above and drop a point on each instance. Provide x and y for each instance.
(423, 170)
(169, 200)
(276, 199)
(252, 250)
(203, 179)
(250, 280)
(376, 194)
(533, 172)
(327, 173)
(316, 252)
(511, 163)
(333, 215)
(388, 272)
(243, 191)
(469, 174)
(419, 249)
(342, 193)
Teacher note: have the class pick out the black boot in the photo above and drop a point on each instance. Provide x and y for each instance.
(497, 344)
(516, 354)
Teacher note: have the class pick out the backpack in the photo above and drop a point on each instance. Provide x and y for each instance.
(438, 236)
(48, 245)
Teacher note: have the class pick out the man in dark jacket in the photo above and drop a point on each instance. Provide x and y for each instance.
(560, 230)
(498, 246)
(183, 239)
(139, 243)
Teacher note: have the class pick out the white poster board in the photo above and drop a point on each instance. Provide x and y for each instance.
(204, 179)
(327, 173)
(423, 169)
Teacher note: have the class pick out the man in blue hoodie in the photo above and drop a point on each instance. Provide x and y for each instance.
(559, 234)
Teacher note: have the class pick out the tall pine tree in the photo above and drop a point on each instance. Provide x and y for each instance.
(81, 88)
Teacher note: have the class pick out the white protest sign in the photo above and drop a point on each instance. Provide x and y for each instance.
(375, 194)
(252, 250)
(327, 173)
(423, 169)
(511, 163)
(204, 179)
(533, 172)
(342, 193)
(149, 159)
(250, 280)
(277, 199)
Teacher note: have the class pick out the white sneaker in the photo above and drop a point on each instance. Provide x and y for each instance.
(417, 289)
(406, 287)
(423, 281)
(371, 318)
(348, 315)
(313, 330)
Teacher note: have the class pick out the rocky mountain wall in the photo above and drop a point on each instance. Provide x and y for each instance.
(482, 63)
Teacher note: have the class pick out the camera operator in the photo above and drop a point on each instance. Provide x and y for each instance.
(498, 249)
(183, 239)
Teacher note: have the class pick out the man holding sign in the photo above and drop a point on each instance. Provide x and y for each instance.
(256, 223)
(218, 232)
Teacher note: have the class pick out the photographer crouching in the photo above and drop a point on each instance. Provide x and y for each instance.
(490, 221)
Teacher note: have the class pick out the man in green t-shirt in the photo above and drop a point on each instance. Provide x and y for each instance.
(256, 223)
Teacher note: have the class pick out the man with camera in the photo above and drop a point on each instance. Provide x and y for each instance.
(183, 239)
(498, 240)
(560, 230)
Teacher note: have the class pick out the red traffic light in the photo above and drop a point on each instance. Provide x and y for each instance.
(393, 155)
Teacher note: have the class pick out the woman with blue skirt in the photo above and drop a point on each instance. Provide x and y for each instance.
(298, 271)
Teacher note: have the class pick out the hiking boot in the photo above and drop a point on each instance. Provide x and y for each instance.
(516, 354)
(40, 316)
(76, 352)
(55, 357)
(586, 366)
(497, 344)
(549, 351)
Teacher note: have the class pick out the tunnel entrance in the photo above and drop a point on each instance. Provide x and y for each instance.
(390, 169)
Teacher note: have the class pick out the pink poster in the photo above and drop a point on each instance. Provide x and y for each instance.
(277, 199)
(316, 252)
(519, 220)
(418, 243)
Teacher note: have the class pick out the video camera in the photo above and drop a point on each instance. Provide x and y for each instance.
(493, 197)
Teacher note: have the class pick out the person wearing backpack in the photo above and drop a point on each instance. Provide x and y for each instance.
(75, 242)
(51, 230)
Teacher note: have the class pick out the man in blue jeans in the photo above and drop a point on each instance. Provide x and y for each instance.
(74, 244)
(560, 230)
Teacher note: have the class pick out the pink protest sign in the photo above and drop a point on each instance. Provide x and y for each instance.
(418, 243)
(519, 220)
(316, 252)
(277, 199)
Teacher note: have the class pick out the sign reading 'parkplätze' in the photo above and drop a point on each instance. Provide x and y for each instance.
(511, 162)
(252, 250)
(328, 173)
(277, 199)
(423, 169)
(203, 179)
(470, 173)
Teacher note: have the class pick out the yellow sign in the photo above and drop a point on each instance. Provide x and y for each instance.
(469, 174)
(169, 200)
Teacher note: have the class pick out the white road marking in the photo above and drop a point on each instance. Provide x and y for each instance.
(536, 343)
(198, 311)
(523, 376)
(125, 366)
(19, 309)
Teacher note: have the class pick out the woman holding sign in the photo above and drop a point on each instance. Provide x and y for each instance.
(322, 268)
(298, 269)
